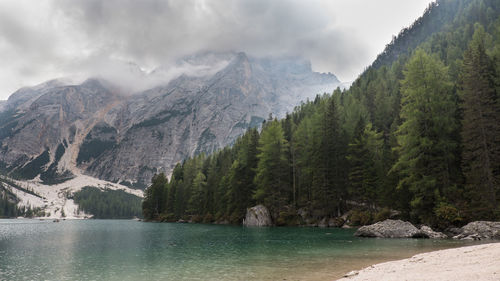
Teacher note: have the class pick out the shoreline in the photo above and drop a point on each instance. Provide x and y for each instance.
(477, 262)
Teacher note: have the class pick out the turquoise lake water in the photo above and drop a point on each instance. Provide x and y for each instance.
(131, 250)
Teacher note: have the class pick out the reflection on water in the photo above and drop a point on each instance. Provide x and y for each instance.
(130, 250)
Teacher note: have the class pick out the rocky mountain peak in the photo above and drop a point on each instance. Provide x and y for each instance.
(204, 103)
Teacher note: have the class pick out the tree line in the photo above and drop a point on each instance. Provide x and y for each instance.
(107, 204)
(419, 134)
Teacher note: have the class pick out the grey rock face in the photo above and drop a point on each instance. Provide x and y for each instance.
(478, 230)
(427, 232)
(129, 138)
(388, 229)
(257, 216)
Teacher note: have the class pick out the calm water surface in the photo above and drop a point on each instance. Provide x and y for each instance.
(130, 250)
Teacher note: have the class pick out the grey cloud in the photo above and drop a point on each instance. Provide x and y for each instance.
(41, 40)
(154, 31)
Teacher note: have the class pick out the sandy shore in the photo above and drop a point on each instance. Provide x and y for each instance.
(476, 263)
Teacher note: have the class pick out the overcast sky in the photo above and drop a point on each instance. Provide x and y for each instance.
(41, 40)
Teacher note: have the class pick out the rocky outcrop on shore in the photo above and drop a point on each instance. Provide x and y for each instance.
(388, 229)
(257, 216)
(427, 232)
(479, 230)
(397, 229)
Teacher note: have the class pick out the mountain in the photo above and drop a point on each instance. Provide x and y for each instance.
(58, 130)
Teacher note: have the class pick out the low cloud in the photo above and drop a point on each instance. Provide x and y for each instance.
(51, 38)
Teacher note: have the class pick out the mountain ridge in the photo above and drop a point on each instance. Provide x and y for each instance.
(103, 131)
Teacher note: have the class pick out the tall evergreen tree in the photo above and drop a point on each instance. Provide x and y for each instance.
(480, 129)
(365, 159)
(154, 197)
(329, 161)
(427, 146)
(272, 178)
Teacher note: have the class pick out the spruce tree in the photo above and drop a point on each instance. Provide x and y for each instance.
(329, 164)
(480, 129)
(272, 175)
(426, 143)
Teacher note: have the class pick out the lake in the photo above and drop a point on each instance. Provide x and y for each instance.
(131, 250)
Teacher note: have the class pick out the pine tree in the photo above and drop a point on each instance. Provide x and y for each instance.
(480, 129)
(365, 153)
(328, 186)
(242, 174)
(272, 177)
(154, 198)
(195, 204)
(427, 146)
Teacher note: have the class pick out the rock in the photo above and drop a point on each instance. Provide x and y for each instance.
(336, 222)
(427, 232)
(473, 237)
(222, 222)
(478, 230)
(453, 231)
(388, 229)
(257, 216)
(303, 213)
(323, 223)
(182, 221)
(351, 274)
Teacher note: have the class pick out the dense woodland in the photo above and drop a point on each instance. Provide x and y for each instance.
(107, 204)
(417, 132)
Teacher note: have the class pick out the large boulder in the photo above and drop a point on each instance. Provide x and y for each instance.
(478, 230)
(388, 229)
(257, 216)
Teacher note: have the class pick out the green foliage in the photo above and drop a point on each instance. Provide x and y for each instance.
(404, 137)
(8, 206)
(107, 204)
(360, 217)
(447, 214)
(480, 129)
(272, 178)
(383, 214)
(427, 137)
(154, 197)
(365, 154)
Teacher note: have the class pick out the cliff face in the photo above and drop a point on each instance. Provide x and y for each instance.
(55, 130)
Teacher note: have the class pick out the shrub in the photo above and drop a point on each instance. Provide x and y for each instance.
(208, 218)
(383, 214)
(447, 214)
(360, 217)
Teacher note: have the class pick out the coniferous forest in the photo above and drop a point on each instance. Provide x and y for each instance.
(108, 203)
(417, 133)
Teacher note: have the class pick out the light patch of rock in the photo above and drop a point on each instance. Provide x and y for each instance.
(478, 230)
(388, 229)
(257, 216)
(427, 232)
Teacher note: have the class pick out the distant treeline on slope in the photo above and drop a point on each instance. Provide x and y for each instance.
(107, 204)
(9, 205)
(417, 132)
